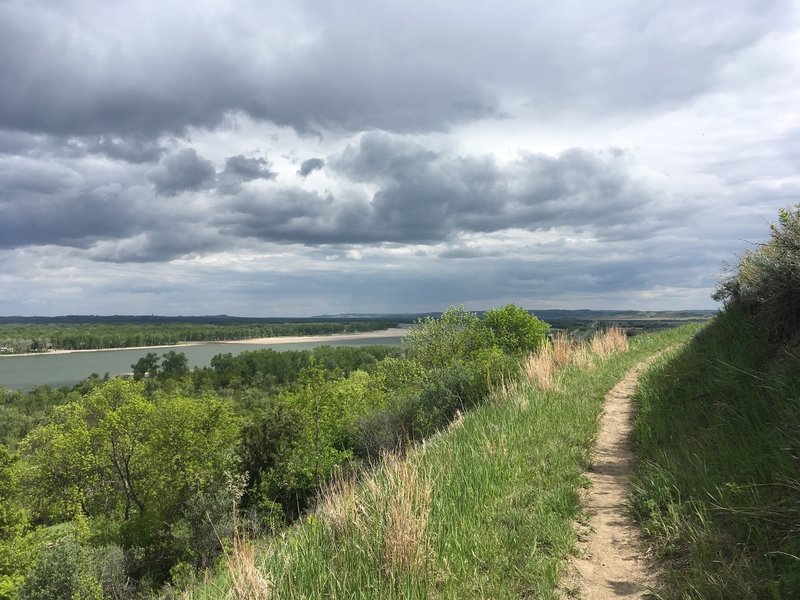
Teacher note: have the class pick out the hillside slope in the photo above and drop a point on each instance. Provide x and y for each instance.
(718, 436)
(482, 510)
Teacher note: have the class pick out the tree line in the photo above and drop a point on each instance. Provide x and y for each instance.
(37, 337)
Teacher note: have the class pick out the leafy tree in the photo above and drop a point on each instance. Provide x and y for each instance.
(174, 365)
(306, 434)
(139, 461)
(398, 376)
(271, 436)
(147, 365)
(515, 330)
(13, 523)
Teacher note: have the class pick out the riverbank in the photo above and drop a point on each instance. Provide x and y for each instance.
(55, 352)
(288, 339)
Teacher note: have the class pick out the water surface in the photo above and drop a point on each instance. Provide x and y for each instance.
(24, 372)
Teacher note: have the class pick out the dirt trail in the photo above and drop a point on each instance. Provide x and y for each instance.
(611, 561)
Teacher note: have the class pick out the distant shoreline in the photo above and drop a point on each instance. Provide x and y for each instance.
(52, 352)
(288, 339)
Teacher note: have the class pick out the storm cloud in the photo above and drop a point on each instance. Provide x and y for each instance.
(180, 172)
(149, 68)
(427, 197)
(240, 169)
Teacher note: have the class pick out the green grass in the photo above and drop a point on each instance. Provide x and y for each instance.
(717, 485)
(484, 510)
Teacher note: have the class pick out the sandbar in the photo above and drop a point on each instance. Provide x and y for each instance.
(288, 339)
(333, 337)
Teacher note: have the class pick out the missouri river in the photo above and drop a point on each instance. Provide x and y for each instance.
(24, 372)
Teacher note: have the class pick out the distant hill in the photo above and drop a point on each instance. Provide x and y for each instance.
(552, 316)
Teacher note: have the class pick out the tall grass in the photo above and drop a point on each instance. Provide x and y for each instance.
(717, 487)
(482, 510)
(247, 582)
(544, 367)
(608, 342)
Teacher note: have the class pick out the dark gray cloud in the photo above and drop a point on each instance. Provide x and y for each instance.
(145, 69)
(426, 197)
(247, 169)
(240, 169)
(182, 171)
(76, 219)
(282, 215)
(309, 166)
(468, 253)
(157, 245)
(130, 149)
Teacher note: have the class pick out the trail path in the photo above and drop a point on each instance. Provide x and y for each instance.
(611, 562)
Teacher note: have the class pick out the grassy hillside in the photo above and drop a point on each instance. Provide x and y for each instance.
(482, 510)
(718, 483)
(718, 436)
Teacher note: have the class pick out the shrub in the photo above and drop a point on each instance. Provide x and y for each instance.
(65, 570)
(514, 330)
(379, 432)
(766, 283)
(452, 338)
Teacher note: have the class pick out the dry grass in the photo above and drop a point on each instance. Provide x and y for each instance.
(582, 358)
(563, 348)
(388, 513)
(406, 500)
(458, 420)
(542, 369)
(247, 582)
(338, 504)
(609, 342)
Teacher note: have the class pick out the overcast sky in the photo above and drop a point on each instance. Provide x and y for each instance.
(294, 158)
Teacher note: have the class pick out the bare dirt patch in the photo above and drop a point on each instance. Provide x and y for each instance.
(611, 561)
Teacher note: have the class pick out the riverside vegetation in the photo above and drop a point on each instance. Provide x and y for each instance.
(119, 487)
(127, 488)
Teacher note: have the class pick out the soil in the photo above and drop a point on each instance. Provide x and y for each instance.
(611, 561)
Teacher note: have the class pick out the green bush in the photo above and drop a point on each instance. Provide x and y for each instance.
(64, 570)
(379, 432)
(452, 338)
(514, 330)
(273, 434)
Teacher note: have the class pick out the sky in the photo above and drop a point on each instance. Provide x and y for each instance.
(296, 158)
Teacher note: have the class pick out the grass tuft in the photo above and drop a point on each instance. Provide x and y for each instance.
(247, 581)
(406, 499)
(608, 342)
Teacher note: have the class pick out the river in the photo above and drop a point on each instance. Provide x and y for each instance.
(25, 372)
